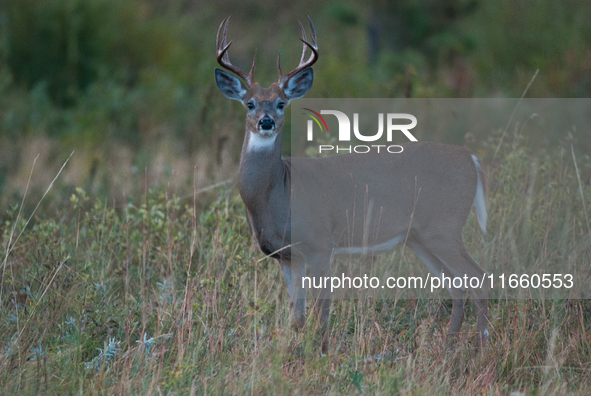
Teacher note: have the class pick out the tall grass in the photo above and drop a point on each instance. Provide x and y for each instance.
(161, 296)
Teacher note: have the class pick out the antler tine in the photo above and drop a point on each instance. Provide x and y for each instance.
(222, 31)
(217, 37)
(223, 57)
(313, 30)
(227, 57)
(303, 62)
(305, 49)
(314, 45)
(254, 65)
(279, 66)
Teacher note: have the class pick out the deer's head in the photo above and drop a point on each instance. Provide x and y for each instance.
(265, 105)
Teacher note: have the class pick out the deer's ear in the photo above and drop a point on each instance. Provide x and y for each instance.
(300, 84)
(230, 85)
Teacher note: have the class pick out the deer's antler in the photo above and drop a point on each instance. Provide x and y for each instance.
(224, 59)
(283, 78)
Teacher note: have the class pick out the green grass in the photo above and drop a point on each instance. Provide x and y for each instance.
(147, 292)
(159, 296)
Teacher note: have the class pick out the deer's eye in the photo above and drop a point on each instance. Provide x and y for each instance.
(250, 105)
(280, 105)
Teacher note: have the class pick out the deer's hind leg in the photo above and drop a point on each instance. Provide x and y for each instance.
(437, 267)
(451, 255)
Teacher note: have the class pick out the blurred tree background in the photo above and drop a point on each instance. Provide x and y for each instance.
(129, 84)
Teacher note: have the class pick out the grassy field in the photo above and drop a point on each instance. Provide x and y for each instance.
(135, 273)
(160, 296)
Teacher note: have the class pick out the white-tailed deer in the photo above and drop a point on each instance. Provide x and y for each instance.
(424, 194)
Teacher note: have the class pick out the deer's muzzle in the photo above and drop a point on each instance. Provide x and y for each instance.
(266, 124)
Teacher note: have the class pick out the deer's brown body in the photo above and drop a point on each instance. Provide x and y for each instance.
(424, 195)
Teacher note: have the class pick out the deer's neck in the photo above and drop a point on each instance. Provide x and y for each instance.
(262, 173)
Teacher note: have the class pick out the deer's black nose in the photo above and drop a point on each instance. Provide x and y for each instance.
(266, 123)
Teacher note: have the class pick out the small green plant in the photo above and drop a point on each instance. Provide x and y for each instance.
(356, 379)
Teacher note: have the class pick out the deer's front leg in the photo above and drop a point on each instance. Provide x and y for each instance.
(322, 315)
(293, 273)
(319, 269)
